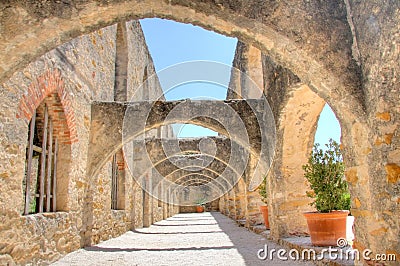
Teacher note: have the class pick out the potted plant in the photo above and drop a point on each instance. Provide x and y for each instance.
(325, 173)
(200, 204)
(262, 190)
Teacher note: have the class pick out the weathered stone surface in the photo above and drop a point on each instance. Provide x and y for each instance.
(377, 31)
(208, 161)
(6, 259)
(369, 139)
(312, 38)
(77, 72)
(346, 52)
(246, 121)
(246, 80)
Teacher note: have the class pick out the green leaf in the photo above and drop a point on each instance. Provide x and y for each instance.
(325, 173)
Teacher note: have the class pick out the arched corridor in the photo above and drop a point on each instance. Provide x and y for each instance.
(88, 151)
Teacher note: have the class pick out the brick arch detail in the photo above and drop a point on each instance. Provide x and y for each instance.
(50, 82)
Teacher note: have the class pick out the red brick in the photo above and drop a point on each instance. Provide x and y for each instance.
(42, 89)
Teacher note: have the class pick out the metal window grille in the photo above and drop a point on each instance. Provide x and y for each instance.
(41, 166)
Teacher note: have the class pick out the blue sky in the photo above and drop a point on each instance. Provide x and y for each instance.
(328, 127)
(172, 43)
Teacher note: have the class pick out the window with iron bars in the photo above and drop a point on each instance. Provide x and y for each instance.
(41, 165)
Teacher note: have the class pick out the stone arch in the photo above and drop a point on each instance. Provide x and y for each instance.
(290, 50)
(159, 150)
(287, 185)
(301, 52)
(202, 180)
(298, 126)
(201, 176)
(223, 180)
(188, 184)
(286, 46)
(203, 173)
(48, 90)
(174, 168)
(250, 118)
(220, 170)
(51, 82)
(208, 171)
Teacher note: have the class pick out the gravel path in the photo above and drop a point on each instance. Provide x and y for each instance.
(184, 239)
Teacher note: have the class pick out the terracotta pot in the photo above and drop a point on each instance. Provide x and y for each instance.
(264, 211)
(200, 208)
(326, 228)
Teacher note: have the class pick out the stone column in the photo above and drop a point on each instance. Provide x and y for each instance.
(147, 203)
(247, 74)
(375, 176)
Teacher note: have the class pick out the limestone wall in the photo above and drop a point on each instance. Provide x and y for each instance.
(145, 71)
(247, 82)
(111, 223)
(81, 66)
(246, 79)
(81, 71)
(369, 134)
(346, 52)
(376, 182)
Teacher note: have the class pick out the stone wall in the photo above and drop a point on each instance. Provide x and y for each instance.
(111, 223)
(370, 142)
(80, 71)
(246, 79)
(85, 64)
(376, 185)
(246, 82)
(346, 52)
(187, 209)
(139, 73)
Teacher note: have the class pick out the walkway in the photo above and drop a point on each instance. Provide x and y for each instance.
(184, 239)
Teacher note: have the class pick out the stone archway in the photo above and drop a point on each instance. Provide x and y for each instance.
(312, 39)
(247, 123)
(213, 174)
(287, 186)
(208, 157)
(200, 178)
(302, 52)
(305, 57)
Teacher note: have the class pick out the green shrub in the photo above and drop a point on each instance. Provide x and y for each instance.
(262, 190)
(325, 173)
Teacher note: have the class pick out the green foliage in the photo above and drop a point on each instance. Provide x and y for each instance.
(325, 172)
(200, 201)
(262, 189)
(32, 206)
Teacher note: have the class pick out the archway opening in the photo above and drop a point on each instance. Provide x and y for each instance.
(328, 127)
(192, 131)
(171, 43)
(307, 119)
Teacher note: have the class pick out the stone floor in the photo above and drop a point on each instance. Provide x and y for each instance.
(338, 256)
(184, 239)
